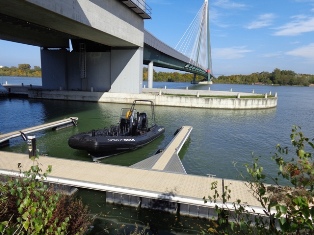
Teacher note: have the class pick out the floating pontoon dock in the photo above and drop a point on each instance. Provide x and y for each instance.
(150, 184)
(4, 138)
(168, 160)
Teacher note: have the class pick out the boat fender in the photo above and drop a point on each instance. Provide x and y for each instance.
(177, 131)
(159, 151)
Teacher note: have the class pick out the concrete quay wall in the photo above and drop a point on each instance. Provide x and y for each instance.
(160, 99)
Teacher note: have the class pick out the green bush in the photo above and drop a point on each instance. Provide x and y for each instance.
(28, 206)
(287, 204)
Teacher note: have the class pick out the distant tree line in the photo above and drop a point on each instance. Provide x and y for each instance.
(171, 76)
(278, 77)
(23, 70)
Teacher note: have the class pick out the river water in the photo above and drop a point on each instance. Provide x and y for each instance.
(220, 143)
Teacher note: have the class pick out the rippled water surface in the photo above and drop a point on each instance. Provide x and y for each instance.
(220, 138)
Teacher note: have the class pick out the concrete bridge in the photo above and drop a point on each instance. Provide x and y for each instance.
(97, 45)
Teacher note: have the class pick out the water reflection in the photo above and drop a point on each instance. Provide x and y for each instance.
(116, 219)
(218, 138)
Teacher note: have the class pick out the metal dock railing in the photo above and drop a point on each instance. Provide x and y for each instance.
(4, 138)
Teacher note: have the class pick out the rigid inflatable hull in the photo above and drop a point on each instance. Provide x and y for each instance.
(104, 145)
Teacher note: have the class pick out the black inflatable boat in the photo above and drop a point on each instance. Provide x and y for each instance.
(133, 131)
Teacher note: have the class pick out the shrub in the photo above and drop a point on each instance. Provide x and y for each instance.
(28, 206)
(287, 204)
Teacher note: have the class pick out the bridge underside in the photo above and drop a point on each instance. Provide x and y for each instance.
(112, 35)
(169, 63)
(163, 60)
(161, 55)
(108, 62)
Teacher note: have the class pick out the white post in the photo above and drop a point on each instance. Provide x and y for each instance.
(198, 94)
(239, 96)
(265, 95)
(150, 74)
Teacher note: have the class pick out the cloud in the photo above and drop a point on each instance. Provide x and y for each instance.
(274, 54)
(295, 42)
(229, 53)
(300, 24)
(227, 4)
(262, 21)
(216, 17)
(305, 52)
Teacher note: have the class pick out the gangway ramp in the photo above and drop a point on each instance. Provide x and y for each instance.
(4, 138)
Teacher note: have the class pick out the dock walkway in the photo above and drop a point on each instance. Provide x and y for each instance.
(4, 138)
(127, 185)
(173, 148)
(158, 182)
(168, 159)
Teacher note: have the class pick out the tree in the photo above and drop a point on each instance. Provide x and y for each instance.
(24, 67)
(37, 68)
(22, 70)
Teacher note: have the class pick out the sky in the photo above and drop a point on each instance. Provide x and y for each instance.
(246, 36)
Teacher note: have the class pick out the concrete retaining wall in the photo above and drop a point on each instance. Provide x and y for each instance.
(162, 100)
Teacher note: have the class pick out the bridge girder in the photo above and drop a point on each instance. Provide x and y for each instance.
(165, 61)
(28, 23)
(19, 24)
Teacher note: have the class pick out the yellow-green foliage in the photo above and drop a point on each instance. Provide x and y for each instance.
(23, 70)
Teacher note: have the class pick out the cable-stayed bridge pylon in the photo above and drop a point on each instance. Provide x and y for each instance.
(195, 42)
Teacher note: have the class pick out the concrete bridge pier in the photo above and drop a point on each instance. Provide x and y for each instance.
(115, 70)
(150, 74)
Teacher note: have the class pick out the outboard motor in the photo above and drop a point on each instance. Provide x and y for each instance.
(142, 123)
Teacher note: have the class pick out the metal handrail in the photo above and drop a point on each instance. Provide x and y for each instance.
(142, 4)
